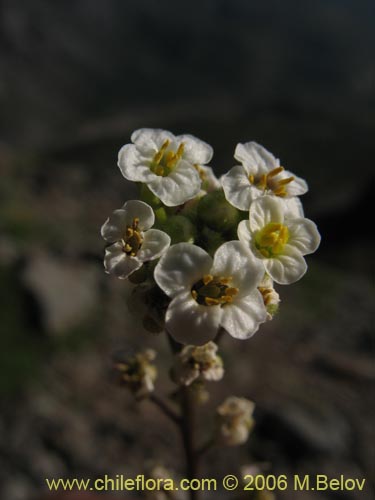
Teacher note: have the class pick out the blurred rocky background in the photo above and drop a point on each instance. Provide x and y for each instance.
(76, 78)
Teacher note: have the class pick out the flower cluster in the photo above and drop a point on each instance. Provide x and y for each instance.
(219, 244)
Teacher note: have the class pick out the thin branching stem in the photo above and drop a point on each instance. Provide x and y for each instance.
(166, 409)
(186, 423)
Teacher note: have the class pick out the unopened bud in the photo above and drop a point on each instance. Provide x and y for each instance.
(216, 213)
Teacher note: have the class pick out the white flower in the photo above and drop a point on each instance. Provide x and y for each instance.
(211, 293)
(138, 373)
(168, 164)
(260, 174)
(279, 238)
(198, 362)
(133, 242)
(235, 420)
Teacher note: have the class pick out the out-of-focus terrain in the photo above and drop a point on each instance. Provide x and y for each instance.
(76, 78)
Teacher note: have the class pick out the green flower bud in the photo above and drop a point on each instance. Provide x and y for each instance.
(148, 197)
(139, 276)
(216, 213)
(179, 228)
(210, 240)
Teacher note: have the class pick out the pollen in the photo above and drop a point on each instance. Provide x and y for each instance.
(271, 240)
(165, 160)
(270, 182)
(213, 291)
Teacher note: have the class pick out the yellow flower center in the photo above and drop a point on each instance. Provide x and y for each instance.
(133, 239)
(213, 291)
(268, 182)
(271, 240)
(165, 160)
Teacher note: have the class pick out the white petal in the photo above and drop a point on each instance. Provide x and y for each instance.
(237, 188)
(242, 318)
(155, 243)
(142, 211)
(182, 266)
(195, 150)
(150, 140)
(118, 263)
(208, 178)
(182, 184)
(232, 259)
(133, 165)
(297, 187)
(244, 234)
(190, 323)
(255, 158)
(304, 235)
(288, 267)
(265, 210)
(115, 226)
(293, 208)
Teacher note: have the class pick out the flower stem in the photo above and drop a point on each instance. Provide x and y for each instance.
(187, 433)
(186, 422)
(162, 405)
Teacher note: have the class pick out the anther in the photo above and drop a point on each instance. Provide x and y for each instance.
(275, 172)
(211, 302)
(207, 279)
(288, 180)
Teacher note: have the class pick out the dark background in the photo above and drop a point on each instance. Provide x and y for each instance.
(76, 78)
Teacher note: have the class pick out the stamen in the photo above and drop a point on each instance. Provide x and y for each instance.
(159, 155)
(211, 301)
(133, 239)
(225, 281)
(201, 172)
(271, 240)
(280, 191)
(164, 161)
(268, 182)
(288, 180)
(275, 172)
(212, 291)
(207, 279)
(262, 181)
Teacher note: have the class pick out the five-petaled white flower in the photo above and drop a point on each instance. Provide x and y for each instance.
(260, 174)
(275, 235)
(133, 242)
(169, 165)
(211, 293)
